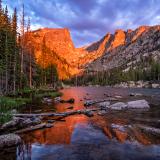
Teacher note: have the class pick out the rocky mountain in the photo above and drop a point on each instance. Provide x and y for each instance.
(126, 49)
(122, 49)
(54, 46)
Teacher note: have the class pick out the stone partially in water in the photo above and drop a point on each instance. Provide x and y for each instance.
(9, 140)
(70, 107)
(101, 113)
(49, 125)
(135, 94)
(118, 106)
(71, 100)
(89, 113)
(139, 104)
(89, 103)
(57, 99)
(103, 104)
(119, 131)
(118, 127)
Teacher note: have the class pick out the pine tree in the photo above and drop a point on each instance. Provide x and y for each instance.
(22, 46)
(15, 49)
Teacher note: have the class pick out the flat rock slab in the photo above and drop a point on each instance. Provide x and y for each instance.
(118, 106)
(9, 140)
(139, 104)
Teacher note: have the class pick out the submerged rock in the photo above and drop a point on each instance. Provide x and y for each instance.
(70, 107)
(49, 125)
(101, 113)
(9, 140)
(139, 104)
(51, 121)
(71, 100)
(89, 113)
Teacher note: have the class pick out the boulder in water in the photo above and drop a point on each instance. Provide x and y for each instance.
(138, 104)
(104, 104)
(118, 106)
(9, 140)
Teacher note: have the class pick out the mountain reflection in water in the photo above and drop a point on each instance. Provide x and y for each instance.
(113, 136)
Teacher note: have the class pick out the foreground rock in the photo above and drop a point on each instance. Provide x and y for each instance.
(9, 140)
(104, 104)
(19, 123)
(139, 104)
(33, 128)
(118, 106)
(101, 101)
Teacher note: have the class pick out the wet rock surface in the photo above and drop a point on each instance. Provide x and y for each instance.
(9, 140)
(139, 104)
(118, 106)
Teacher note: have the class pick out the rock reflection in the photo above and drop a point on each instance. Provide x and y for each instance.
(59, 134)
(115, 135)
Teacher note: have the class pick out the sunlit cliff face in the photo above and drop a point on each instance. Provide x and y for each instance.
(55, 46)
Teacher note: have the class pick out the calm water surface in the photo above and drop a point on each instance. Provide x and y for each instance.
(96, 138)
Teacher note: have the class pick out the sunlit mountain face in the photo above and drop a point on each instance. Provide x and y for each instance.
(89, 20)
(92, 35)
(55, 46)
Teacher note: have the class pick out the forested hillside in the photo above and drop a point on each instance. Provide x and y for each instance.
(18, 67)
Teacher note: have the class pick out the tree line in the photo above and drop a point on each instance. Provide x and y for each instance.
(147, 70)
(18, 67)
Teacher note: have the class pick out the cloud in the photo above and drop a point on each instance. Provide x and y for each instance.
(89, 20)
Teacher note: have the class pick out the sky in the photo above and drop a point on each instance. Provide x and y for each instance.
(89, 20)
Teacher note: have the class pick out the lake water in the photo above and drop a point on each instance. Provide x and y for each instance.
(113, 136)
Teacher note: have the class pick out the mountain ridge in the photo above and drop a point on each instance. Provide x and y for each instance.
(104, 54)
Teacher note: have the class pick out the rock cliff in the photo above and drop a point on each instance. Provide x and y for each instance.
(126, 49)
(121, 49)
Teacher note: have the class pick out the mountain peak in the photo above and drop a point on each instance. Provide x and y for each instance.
(118, 39)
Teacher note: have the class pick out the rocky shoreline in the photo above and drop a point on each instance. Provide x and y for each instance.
(22, 123)
(138, 84)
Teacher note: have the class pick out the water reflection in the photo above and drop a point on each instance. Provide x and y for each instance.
(100, 137)
(59, 134)
(114, 136)
(89, 143)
